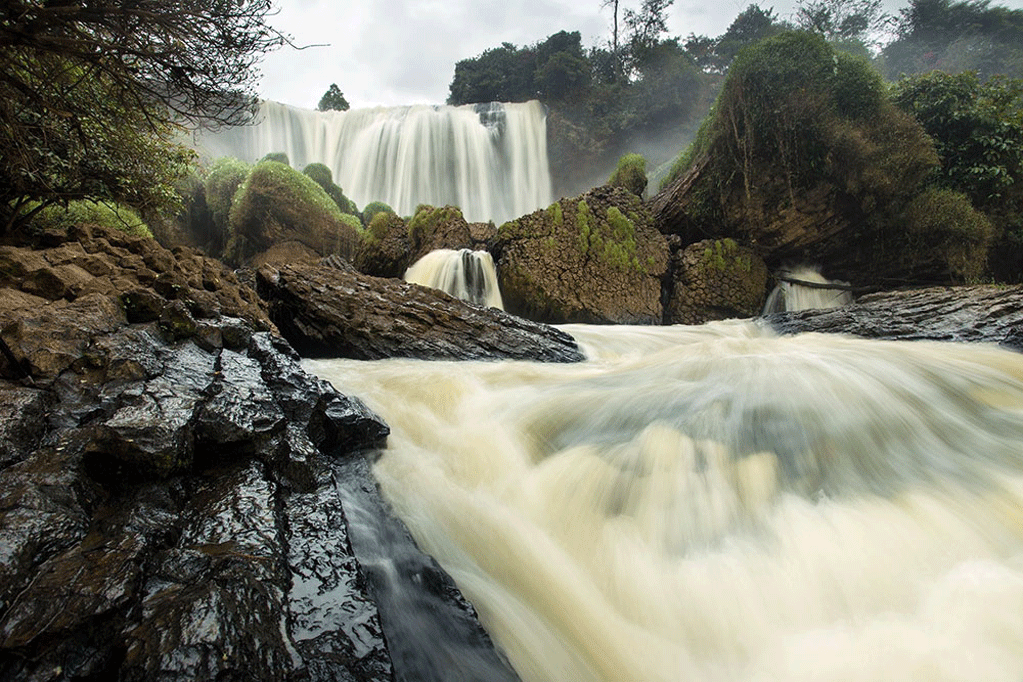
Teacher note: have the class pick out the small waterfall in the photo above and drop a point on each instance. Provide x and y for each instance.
(488, 159)
(789, 296)
(465, 274)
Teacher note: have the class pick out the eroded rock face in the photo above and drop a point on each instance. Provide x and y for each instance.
(341, 313)
(170, 506)
(715, 279)
(595, 258)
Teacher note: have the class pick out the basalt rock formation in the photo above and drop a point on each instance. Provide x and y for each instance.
(176, 491)
(338, 312)
(715, 279)
(594, 258)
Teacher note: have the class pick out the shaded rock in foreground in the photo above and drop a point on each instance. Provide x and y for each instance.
(987, 314)
(341, 313)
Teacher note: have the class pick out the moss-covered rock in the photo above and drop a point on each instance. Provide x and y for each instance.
(322, 176)
(433, 228)
(630, 174)
(593, 258)
(384, 250)
(715, 279)
(278, 204)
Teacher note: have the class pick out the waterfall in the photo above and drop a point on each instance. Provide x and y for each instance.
(721, 504)
(793, 296)
(465, 274)
(488, 159)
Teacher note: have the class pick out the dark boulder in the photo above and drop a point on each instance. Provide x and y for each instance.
(330, 312)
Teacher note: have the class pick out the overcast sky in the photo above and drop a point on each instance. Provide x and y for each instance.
(391, 52)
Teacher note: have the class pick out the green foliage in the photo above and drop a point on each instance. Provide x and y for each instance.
(372, 209)
(112, 216)
(93, 96)
(955, 36)
(793, 114)
(322, 176)
(222, 181)
(978, 132)
(943, 224)
(844, 21)
(723, 255)
(279, 157)
(555, 213)
(630, 174)
(276, 197)
(333, 100)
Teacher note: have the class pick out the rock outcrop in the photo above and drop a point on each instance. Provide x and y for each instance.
(325, 311)
(985, 314)
(715, 279)
(175, 489)
(594, 258)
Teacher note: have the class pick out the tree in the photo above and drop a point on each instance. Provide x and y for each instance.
(645, 29)
(615, 53)
(333, 100)
(944, 35)
(94, 92)
(864, 21)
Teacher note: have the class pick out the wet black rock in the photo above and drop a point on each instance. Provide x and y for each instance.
(983, 313)
(170, 507)
(327, 312)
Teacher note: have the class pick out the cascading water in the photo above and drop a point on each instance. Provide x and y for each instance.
(490, 160)
(794, 296)
(720, 504)
(465, 274)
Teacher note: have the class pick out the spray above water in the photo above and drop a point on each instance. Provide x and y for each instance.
(465, 274)
(720, 504)
(490, 159)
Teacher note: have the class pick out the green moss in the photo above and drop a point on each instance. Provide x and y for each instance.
(630, 173)
(109, 215)
(725, 254)
(582, 223)
(554, 212)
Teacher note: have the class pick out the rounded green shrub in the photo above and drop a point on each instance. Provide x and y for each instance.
(372, 209)
(630, 174)
(279, 157)
(111, 216)
(277, 203)
(321, 175)
(943, 226)
(224, 177)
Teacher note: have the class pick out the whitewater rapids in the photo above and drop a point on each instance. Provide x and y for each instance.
(717, 503)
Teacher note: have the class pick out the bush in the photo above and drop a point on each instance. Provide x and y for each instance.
(372, 209)
(112, 216)
(322, 176)
(225, 176)
(277, 203)
(630, 174)
(943, 226)
(279, 157)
